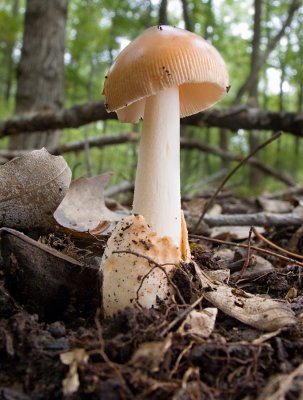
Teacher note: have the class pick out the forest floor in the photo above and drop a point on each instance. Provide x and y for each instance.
(52, 339)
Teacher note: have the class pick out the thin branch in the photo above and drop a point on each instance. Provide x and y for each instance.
(235, 118)
(251, 79)
(255, 219)
(186, 143)
(275, 246)
(156, 265)
(258, 249)
(247, 258)
(232, 172)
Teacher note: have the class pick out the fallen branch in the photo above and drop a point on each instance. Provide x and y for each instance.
(245, 246)
(239, 117)
(108, 140)
(275, 246)
(257, 219)
(232, 172)
(122, 187)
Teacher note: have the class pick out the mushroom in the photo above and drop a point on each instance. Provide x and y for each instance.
(164, 74)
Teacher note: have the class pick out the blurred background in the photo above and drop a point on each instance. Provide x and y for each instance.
(54, 54)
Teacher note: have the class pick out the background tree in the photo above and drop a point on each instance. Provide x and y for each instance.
(97, 30)
(40, 84)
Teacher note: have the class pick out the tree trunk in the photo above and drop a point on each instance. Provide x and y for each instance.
(252, 79)
(254, 175)
(297, 142)
(187, 18)
(41, 70)
(163, 19)
(10, 61)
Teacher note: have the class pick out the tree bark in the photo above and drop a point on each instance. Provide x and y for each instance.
(189, 144)
(10, 61)
(186, 16)
(254, 176)
(251, 79)
(41, 70)
(257, 219)
(163, 19)
(235, 118)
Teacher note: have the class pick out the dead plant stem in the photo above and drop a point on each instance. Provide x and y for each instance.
(256, 248)
(231, 173)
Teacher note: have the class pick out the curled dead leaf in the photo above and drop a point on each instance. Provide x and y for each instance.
(72, 358)
(83, 209)
(32, 187)
(199, 323)
(261, 313)
(150, 355)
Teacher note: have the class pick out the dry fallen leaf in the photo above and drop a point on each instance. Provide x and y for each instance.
(150, 355)
(83, 209)
(199, 323)
(259, 266)
(32, 187)
(221, 275)
(232, 232)
(72, 358)
(261, 313)
(196, 206)
(275, 206)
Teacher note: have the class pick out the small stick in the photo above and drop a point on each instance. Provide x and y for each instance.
(156, 265)
(231, 173)
(275, 246)
(181, 316)
(258, 249)
(102, 352)
(247, 259)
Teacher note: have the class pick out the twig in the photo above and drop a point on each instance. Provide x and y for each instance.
(258, 249)
(182, 314)
(254, 219)
(275, 246)
(79, 115)
(156, 265)
(180, 356)
(247, 259)
(102, 352)
(231, 173)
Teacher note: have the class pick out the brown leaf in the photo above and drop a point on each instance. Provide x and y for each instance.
(199, 323)
(72, 358)
(265, 314)
(275, 206)
(83, 209)
(150, 355)
(32, 187)
(232, 232)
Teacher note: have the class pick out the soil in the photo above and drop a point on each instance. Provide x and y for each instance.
(139, 354)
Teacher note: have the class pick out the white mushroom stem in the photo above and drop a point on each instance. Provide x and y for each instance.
(157, 188)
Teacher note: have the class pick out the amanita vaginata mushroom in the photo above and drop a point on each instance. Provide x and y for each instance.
(164, 74)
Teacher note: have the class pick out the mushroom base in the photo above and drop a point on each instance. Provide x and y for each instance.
(136, 265)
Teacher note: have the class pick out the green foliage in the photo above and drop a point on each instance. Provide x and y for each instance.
(98, 29)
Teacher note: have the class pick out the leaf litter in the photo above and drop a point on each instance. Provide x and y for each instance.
(187, 350)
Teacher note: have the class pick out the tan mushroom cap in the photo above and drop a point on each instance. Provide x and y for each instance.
(160, 58)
